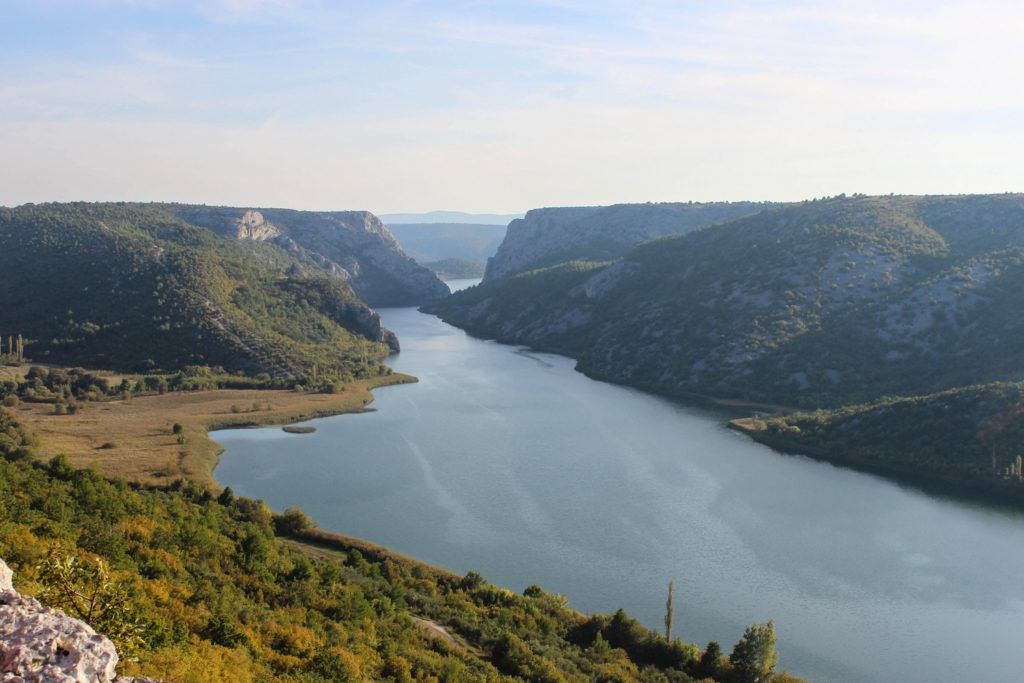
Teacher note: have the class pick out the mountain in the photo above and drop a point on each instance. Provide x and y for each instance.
(450, 217)
(352, 245)
(135, 287)
(817, 304)
(547, 237)
(456, 268)
(972, 436)
(437, 241)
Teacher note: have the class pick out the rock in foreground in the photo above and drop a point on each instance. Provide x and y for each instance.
(42, 644)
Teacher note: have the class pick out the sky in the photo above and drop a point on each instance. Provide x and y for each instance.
(504, 106)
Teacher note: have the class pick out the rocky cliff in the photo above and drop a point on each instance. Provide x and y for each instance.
(352, 245)
(40, 644)
(554, 235)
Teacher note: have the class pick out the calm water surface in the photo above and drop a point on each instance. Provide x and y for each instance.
(511, 463)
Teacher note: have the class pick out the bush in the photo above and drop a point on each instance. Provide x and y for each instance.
(293, 522)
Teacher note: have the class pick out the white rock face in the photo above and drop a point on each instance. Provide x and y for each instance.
(252, 226)
(6, 577)
(41, 644)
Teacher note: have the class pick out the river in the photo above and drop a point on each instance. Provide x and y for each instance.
(510, 463)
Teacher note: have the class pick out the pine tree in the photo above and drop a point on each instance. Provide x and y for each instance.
(753, 658)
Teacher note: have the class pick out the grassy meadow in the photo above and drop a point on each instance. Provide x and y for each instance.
(134, 439)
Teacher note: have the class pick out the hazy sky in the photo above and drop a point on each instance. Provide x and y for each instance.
(504, 106)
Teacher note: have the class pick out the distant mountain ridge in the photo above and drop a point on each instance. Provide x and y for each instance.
(546, 237)
(814, 304)
(450, 217)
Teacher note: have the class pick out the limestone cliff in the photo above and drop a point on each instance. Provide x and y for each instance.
(352, 245)
(550, 236)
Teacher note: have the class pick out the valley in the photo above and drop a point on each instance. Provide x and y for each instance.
(508, 462)
(826, 304)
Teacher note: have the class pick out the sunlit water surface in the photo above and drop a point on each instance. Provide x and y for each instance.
(510, 463)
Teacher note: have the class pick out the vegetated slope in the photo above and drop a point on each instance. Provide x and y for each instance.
(198, 588)
(455, 268)
(547, 237)
(818, 304)
(970, 435)
(352, 245)
(428, 242)
(133, 287)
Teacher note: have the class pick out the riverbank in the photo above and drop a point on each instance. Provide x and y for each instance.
(134, 439)
(960, 488)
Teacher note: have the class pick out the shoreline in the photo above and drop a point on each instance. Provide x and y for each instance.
(955, 488)
(690, 397)
(133, 439)
(951, 487)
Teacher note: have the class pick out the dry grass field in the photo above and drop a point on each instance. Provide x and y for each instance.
(133, 439)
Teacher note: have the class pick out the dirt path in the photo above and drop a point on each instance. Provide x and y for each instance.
(435, 631)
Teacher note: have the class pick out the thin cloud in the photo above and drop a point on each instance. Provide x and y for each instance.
(501, 105)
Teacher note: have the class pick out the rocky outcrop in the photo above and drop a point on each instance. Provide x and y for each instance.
(41, 644)
(550, 236)
(352, 245)
(252, 226)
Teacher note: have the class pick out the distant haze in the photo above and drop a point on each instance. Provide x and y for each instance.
(449, 217)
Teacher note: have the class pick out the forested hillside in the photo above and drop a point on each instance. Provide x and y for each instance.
(818, 304)
(198, 588)
(970, 436)
(133, 287)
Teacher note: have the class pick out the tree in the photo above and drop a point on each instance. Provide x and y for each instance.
(669, 613)
(753, 658)
(293, 522)
(226, 497)
(709, 661)
(87, 591)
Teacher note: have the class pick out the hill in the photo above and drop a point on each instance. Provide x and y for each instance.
(970, 436)
(438, 241)
(135, 287)
(818, 304)
(456, 268)
(547, 237)
(351, 245)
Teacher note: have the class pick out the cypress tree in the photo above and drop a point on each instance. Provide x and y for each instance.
(669, 613)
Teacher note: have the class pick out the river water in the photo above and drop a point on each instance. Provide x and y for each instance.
(510, 463)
